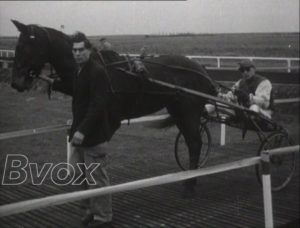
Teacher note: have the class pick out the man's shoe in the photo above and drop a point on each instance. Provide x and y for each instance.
(87, 219)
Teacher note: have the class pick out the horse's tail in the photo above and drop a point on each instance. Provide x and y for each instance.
(164, 123)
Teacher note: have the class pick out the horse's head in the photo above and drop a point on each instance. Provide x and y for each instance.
(30, 55)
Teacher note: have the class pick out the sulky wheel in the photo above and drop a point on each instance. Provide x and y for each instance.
(181, 149)
(282, 165)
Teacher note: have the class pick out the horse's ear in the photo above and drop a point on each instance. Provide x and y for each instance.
(21, 27)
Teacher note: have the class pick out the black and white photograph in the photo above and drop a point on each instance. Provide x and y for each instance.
(149, 114)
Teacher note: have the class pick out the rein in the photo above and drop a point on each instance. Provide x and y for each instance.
(116, 63)
(51, 75)
(106, 72)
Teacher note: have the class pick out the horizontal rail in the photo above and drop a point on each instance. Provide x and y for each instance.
(146, 119)
(11, 53)
(243, 57)
(257, 68)
(59, 199)
(289, 69)
(10, 60)
(203, 56)
(284, 150)
(29, 205)
(229, 57)
(218, 59)
(287, 100)
(27, 132)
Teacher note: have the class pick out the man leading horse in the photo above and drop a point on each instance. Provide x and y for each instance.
(90, 128)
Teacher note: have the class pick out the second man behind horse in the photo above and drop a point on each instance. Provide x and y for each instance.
(252, 91)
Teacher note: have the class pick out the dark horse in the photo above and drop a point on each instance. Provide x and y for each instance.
(131, 96)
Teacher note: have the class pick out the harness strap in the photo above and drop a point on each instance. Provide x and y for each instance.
(49, 89)
(205, 74)
(106, 72)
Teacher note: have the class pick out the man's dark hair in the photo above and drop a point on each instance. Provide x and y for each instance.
(80, 37)
(243, 69)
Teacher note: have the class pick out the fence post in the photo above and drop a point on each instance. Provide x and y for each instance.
(223, 134)
(289, 65)
(267, 189)
(69, 151)
(218, 62)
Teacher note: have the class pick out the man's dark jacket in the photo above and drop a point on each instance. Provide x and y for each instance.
(90, 103)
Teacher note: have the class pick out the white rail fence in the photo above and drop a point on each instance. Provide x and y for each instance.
(6, 57)
(28, 205)
(219, 59)
(230, 62)
(59, 127)
(213, 62)
(7, 53)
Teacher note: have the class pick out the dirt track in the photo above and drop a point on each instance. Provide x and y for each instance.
(232, 199)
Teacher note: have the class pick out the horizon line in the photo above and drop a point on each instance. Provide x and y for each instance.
(176, 34)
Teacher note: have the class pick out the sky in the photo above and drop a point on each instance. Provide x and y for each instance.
(153, 17)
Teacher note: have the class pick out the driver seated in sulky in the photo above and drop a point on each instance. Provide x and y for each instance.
(252, 91)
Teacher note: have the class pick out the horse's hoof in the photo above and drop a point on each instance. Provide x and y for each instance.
(188, 194)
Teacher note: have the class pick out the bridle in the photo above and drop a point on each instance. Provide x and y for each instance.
(31, 74)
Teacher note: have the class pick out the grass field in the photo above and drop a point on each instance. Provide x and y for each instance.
(268, 44)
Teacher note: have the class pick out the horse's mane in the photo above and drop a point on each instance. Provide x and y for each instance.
(51, 33)
(65, 45)
(62, 40)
